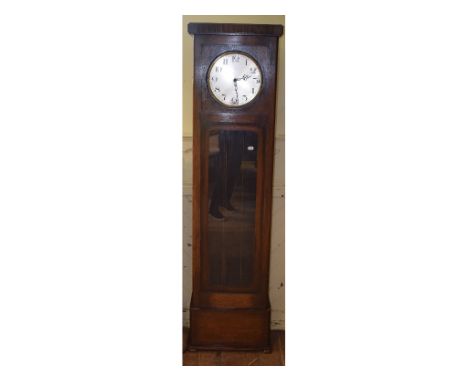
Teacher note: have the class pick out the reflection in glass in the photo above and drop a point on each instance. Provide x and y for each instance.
(232, 179)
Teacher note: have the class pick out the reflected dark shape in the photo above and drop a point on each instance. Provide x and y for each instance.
(231, 221)
(228, 167)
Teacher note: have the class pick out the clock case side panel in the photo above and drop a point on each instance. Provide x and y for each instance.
(196, 182)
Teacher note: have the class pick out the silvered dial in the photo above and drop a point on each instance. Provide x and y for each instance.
(234, 79)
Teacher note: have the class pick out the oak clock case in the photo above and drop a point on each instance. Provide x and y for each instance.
(235, 69)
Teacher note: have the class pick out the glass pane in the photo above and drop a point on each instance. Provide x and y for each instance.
(232, 182)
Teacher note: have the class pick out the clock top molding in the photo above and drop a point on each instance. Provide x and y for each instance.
(236, 29)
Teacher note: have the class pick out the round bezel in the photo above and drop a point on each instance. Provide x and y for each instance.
(208, 75)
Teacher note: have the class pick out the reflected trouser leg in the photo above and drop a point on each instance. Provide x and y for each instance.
(228, 168)
(234, 149)
(217, 189)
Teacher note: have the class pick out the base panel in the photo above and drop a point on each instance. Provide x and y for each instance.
(229, 329)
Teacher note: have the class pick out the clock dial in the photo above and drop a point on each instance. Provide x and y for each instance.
(234, 79)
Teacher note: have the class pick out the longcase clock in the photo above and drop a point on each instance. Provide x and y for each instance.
(234, 99)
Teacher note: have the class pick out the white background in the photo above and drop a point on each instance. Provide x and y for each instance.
(91, 191)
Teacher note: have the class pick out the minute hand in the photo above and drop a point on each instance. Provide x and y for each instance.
(244, 77)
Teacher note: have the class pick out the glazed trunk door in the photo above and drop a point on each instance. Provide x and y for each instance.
(231, 208)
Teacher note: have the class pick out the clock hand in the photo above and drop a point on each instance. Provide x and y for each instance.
(244, 77)
(235, 88)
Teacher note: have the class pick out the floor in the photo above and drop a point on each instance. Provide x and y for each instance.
(233, 358)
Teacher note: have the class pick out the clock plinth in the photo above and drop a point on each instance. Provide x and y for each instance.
(233, 146)
(229, 329)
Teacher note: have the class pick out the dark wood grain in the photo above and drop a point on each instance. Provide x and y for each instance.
(235, 29)
(230, 329)
(232, 316)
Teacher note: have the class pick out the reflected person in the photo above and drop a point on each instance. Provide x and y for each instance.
(227, 171)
